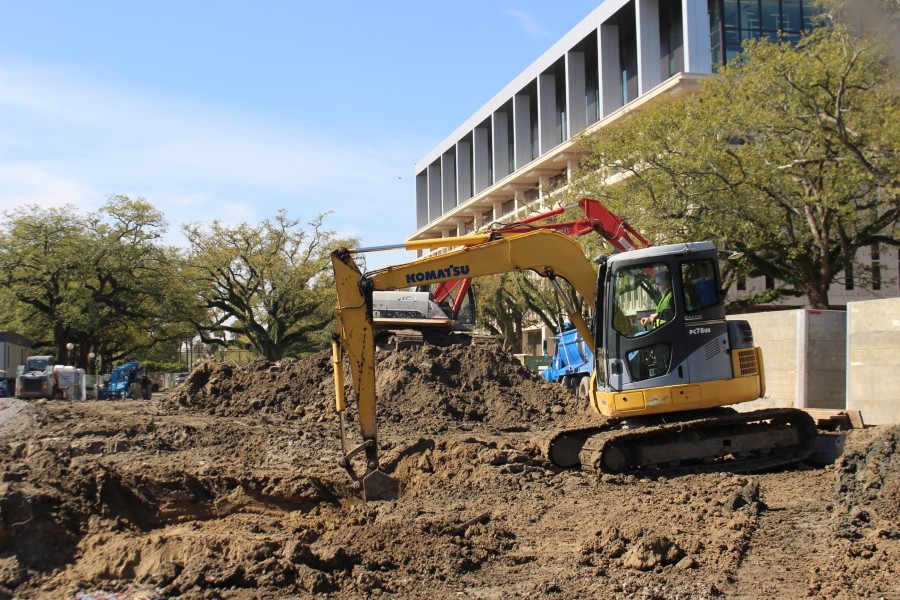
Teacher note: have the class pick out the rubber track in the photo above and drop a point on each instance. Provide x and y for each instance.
(594, 441)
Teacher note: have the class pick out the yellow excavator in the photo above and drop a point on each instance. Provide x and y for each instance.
(667, 360)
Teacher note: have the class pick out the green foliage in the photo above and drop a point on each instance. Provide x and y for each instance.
(266, 287)
(153, 366)
(788, 156)
(94, 280)
(509, 302)
(105, 284)
(501, 309)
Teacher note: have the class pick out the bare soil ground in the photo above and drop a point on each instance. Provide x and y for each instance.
(229, 487)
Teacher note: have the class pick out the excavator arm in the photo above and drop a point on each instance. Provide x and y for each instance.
(548, 253)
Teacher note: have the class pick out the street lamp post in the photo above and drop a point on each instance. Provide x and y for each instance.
(70, 346)
(93, 372)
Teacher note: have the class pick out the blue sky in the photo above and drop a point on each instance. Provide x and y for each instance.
(232, 110)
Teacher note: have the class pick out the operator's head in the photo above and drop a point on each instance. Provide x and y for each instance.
(662, 279)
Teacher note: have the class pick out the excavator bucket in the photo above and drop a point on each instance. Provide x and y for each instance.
(376, 485)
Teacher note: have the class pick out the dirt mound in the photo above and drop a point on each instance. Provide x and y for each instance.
(287, 389)
(431, 388)
(866, 519)
(18, 420)
(868, 487)
(427, 389)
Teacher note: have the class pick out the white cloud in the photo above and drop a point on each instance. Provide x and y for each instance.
(29, 183)
(528, 23)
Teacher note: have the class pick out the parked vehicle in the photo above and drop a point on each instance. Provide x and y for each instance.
(40, 378)
(128, 380)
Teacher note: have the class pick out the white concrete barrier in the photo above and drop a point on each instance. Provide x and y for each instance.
(804, 353)
(873, 360)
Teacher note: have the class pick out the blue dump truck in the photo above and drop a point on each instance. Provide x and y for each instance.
(572, 362)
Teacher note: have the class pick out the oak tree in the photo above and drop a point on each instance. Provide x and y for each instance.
(265, 287)
(788, 156)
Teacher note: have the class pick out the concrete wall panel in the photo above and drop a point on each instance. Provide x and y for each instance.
(804, 357)
(873, 360)
(776, 334)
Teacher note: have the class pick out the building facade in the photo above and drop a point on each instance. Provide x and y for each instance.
(510, 158)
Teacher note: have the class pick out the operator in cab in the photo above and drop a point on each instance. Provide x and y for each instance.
(664, 308)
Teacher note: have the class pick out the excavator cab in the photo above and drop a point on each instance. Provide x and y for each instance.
(456, 299)
(667, 343)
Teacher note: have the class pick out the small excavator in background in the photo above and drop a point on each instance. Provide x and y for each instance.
(667, 361)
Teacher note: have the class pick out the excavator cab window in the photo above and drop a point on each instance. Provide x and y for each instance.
(649, 361)
(699, 280)
(466, 315)
(643, 299)
(644, 303)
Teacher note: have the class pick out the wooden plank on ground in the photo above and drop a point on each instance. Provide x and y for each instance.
(836, 419)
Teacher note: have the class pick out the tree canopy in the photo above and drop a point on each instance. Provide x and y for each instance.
(509, 302)
(266, 287)
(788, 156)
(106, 284)
(95, 281)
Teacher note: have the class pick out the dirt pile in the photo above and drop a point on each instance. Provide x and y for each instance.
(426, 389)
(229, 487)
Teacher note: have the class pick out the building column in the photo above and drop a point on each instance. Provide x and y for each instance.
(500, 122)
(421, 200)
(576, 88)
(481, 159)
(522, 129)
(435, 206)
(610, 72)
(448, 181)
(647, 18)
(697, 50)
(463, 171)
(548, 126)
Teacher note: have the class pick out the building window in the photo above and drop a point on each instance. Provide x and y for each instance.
(733, 21)
(507, 207)
(876, 267)
(848, 277)
(671, 40)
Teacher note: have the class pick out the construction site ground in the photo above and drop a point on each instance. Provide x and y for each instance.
(228, 486)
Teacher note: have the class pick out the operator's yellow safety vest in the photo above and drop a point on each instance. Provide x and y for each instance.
(665, 303)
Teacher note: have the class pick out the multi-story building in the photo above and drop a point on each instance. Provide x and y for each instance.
(510, 158)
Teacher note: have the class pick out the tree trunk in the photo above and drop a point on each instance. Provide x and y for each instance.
(817, 295)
